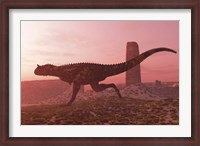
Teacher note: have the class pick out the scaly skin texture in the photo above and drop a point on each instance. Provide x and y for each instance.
(91, 73)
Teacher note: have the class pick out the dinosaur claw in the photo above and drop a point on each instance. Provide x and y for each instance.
(69, 104)
(120, 96)
(62, 105)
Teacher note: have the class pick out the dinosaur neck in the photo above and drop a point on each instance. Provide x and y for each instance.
(115, 69)
(54, 71)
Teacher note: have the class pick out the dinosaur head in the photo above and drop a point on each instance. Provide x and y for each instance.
(43, 70)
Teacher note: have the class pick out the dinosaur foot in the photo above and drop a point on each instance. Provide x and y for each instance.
(120, 96)
(69, 103)
(62, 105)
(118, 93)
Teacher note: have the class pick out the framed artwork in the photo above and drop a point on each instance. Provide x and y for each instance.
(100, 73)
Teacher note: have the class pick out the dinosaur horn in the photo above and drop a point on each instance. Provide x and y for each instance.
(38, 65)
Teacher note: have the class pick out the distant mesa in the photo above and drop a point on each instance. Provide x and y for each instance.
(133, 76)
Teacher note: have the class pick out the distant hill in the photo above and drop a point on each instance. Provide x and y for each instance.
(140, 91)
(33, 92)
(59, 92)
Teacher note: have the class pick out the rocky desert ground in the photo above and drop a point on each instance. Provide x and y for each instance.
(140, 105)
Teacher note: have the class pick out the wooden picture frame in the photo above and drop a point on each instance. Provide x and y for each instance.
(100, 4)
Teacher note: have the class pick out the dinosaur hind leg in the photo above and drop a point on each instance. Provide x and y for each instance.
(100, 87)
(76, 88)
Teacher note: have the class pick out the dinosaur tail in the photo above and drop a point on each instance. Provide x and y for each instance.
(125, 66)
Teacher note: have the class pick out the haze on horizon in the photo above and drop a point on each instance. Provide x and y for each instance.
(64, 42)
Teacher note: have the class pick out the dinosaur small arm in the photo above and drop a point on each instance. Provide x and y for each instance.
(92, 73)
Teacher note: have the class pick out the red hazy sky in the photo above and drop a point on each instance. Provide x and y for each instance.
(63, 42)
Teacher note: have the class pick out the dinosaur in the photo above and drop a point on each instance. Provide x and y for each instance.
(92, 73)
